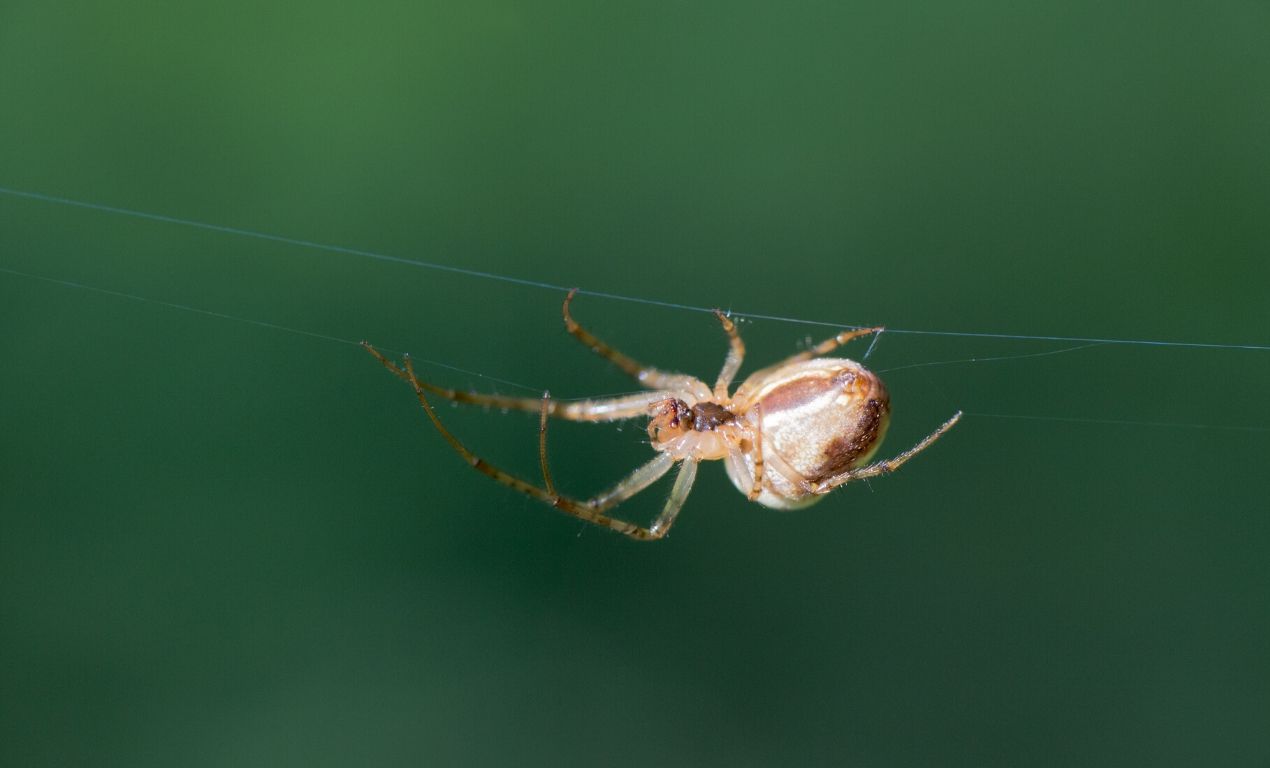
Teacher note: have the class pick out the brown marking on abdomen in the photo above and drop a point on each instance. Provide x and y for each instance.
(797, 393)
(842, 452)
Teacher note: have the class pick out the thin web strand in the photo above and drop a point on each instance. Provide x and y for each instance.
(338, 340)
(249, 233)
(1124, 422)
(993, 359)
(252, 321)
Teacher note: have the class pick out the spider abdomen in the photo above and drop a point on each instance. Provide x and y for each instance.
(819, 418)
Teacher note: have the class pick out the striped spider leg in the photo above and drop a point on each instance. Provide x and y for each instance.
(612, 409)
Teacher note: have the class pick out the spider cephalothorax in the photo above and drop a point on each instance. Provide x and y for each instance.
(788, 435)
(705, 430)
(674, 417)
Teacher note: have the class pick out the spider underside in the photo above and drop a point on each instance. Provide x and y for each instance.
(788, 435)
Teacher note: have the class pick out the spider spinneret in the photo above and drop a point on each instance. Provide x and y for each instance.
(788, 435)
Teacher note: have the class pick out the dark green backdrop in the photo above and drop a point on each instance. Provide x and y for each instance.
(228, 544)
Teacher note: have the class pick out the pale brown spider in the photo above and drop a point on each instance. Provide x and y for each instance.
(790, 433)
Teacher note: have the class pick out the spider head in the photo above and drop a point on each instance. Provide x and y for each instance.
(672, 418)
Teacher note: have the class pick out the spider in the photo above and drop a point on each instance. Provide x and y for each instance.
(790, 434)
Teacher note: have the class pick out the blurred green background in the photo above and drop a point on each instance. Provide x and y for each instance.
(226, 544)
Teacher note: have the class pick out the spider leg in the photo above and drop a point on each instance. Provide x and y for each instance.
(606, 409)
(592, 511)
(678, 494)
(732, 364)
(887, 466)
(645, 375)
(820, 350)
(757, 490)
(829, 345)
(542, 445)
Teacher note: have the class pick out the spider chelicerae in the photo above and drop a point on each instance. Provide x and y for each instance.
(788, 435)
